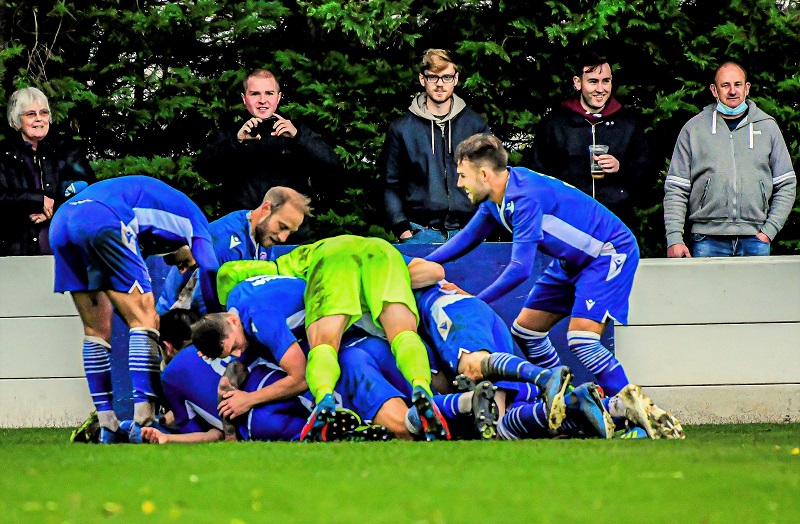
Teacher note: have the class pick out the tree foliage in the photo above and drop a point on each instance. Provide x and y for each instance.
(146, 82)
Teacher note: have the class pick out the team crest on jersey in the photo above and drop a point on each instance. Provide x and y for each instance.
(234, 242)
(128, 236)
(617, 261)
(510, 206)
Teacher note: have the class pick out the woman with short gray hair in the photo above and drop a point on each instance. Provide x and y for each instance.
(39, 170)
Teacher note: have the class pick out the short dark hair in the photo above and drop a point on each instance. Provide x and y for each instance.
(176, 326)
(589, 61)
(483, 149)
(209, 332)
(725, 64)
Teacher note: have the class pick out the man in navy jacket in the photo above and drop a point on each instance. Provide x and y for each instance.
(423, 201)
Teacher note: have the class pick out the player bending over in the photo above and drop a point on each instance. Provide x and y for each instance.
(590, 279)
(100, 239)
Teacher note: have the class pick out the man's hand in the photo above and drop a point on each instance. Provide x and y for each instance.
(405, 234)
(244, 133)
(678, 251)
(762, 237)
(283, 127)
(38, 218)
(154, 436)
(449, 286)
(234, 404)
(609, 163)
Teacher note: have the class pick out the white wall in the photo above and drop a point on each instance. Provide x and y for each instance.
(716, 340)
(713, 340)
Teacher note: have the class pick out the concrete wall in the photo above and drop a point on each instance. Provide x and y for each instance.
(712, 340)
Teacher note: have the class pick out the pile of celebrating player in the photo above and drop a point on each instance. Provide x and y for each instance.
(346, 338)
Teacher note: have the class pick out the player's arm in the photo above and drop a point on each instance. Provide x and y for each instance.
(293, 362)
(476, 230)
(203, 252)
(154, 436)
(232, 273)
(516, 272)
(424, 273)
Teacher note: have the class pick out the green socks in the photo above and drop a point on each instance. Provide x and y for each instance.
(322, 370)
(412, 359)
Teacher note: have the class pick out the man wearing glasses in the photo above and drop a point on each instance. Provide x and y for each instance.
(423, 201)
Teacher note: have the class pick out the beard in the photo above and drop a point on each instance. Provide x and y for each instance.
(262, 233)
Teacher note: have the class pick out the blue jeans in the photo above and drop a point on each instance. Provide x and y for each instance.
(728, 246)
(426, 235)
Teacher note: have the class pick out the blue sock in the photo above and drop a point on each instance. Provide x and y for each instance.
(536, 345)
(505, 365)
(599, 360)
(519, 391)
(527, 420)
(448, 405)
(143, 363)
(97, 366)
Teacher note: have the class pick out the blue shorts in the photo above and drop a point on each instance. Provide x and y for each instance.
(460, 324)
(95, 251)
(599, 292)
(281, 420)
(370, 377)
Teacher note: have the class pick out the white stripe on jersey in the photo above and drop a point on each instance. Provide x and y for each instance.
(572, 236)
(163, 220)
(193, 410)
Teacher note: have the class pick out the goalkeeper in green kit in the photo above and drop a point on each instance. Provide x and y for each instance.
(350, 280)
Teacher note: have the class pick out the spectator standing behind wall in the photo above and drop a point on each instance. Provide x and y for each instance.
(732, 171)
(594, 116)
(266, 150)
(38, 172)
(423, 201)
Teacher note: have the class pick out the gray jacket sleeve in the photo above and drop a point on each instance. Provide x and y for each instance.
(677, 187)
(784, 185)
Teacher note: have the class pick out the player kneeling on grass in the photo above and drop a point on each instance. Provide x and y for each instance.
(345, 274)
(591, 276)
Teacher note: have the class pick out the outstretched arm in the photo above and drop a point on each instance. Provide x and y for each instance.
(517, 271)
(468, 239)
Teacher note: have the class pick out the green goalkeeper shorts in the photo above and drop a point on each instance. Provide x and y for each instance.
(350, 275)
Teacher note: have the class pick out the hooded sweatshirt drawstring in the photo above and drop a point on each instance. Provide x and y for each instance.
(419, 108)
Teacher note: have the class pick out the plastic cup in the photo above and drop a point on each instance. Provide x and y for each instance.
(595, 169)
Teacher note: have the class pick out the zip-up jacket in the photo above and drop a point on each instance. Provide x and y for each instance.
(26, 177)
(418, 167)
(738, 182)
(561, 150)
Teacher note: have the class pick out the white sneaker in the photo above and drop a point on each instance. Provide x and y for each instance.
(640, 410)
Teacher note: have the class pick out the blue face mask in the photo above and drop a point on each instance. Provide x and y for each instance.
(731, 111)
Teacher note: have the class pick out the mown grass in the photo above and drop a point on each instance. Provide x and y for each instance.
(742, 473)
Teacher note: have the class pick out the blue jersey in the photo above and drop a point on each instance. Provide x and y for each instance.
(272, 312)
(151, 217)
(545, 213)
(454, 324)
(233, 240)
(190, 387)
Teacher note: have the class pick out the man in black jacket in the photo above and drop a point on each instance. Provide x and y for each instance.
(38, 172)
(423, 201)
(594, 116)
(266, 150)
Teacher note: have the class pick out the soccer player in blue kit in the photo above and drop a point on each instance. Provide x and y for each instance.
(241, 235)
(100, 239)
(590, 279)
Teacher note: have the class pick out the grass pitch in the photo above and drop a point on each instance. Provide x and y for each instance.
(743, 473)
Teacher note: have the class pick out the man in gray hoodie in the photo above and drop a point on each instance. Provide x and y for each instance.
(423, 201)
(733, 172)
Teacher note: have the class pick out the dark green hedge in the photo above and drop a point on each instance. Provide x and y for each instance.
(145, 82)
